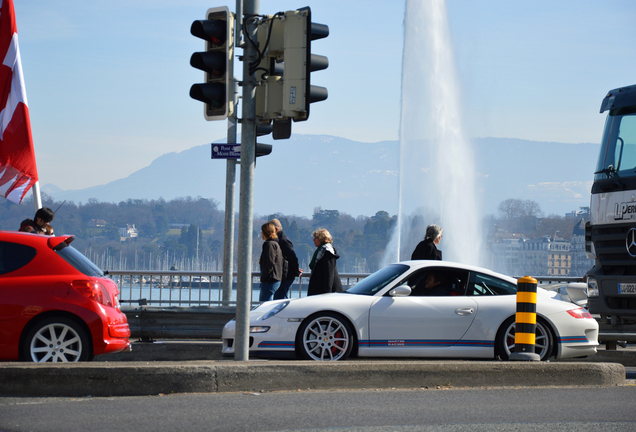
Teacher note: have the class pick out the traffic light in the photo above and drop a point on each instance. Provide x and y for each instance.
(299, 62)
(217, 61)
(284, 69)
(263, 149)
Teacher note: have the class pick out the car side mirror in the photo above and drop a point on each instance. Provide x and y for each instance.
(400, 291)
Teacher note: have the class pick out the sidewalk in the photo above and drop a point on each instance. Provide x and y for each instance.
(166, 367)
(189, 350)
(153, 378)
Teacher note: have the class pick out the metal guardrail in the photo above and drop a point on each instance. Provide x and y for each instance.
(546, 280)
(190, 322)
(196, 288)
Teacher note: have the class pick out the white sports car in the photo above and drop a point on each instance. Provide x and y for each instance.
(416, 309)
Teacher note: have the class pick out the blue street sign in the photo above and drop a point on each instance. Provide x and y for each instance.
(226, 151)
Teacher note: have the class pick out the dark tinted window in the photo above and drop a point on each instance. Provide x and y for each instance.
(14, 256)
(378, 280)
(487, 285)
(437, 281)
(79, 261)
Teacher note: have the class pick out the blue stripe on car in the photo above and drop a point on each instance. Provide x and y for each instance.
(573, 339)
(426, 343)
(276, 344)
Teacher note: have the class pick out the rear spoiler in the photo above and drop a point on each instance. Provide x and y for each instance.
(58, 243)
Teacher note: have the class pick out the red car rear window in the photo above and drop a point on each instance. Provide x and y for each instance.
(79, 261)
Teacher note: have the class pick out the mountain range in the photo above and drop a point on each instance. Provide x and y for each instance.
(357, 178)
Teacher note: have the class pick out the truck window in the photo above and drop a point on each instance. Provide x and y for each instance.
(626, 146)
(618, 154)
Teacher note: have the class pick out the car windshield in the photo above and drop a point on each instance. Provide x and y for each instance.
(378, 280)
(80, 262)
(618, 153)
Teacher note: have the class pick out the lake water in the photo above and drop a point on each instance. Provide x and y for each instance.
(210, 294)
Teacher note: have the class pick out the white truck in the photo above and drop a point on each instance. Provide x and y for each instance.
(610, 235)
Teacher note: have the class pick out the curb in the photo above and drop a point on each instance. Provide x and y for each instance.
(207, 350)
(137, 379)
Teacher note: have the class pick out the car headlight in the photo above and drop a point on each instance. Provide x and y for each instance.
(592, 287)
(273, 311)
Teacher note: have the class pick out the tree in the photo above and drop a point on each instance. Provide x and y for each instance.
(293, 233)
(515, 208)
(111, 232)
(189, 238)
(325, 218)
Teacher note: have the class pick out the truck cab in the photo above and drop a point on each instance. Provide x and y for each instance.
(611, 232)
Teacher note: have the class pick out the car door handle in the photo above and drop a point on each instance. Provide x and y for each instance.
(464, 311)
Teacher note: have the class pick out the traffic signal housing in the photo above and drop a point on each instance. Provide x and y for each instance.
(284, 69)
(300, 62)
(217, 61)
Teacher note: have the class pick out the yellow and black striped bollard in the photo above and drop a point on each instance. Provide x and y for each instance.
(526, 320)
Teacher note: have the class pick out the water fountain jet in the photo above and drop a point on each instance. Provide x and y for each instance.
(436, 165)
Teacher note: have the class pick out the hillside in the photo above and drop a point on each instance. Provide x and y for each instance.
(309, 171)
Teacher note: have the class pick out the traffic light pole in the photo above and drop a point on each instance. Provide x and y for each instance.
(246, 201)
(230, 187)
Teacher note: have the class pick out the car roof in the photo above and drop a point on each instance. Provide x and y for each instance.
(417, 264)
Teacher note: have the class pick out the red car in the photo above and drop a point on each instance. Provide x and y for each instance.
(55, 304)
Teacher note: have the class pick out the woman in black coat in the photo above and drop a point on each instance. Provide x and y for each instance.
(324, 271)
(427, 249)
(271, 263)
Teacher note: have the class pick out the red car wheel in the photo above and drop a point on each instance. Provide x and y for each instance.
(56, 339)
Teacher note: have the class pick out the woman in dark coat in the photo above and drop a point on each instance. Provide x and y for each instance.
(324, 271)
(271, 263)
(426, 249)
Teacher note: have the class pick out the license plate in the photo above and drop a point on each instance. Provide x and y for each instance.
(627, 288)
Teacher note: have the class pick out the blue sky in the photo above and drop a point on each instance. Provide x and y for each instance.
(108, 81)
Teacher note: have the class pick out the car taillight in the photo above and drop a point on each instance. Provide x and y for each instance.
(93, 290)
(580, 313)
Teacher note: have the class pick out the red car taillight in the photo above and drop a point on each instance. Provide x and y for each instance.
(93, 290)
(580, 313)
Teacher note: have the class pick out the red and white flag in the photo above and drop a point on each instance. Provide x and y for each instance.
(18, 171)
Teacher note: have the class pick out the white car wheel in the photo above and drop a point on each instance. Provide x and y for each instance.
(325, 337)
(56, 340)
(505, 343)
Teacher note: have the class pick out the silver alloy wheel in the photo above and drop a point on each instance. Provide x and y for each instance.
(56, 342)
(542, 345)
(326, 338)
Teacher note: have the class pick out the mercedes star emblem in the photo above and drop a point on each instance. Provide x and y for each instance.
(630, 242)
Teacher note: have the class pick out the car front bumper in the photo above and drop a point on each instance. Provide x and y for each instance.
(277, 341)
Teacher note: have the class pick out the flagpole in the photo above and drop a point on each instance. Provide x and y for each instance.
(37, 199)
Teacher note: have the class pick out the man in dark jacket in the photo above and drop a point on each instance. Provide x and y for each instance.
(40, 224)
(426, 249)
(290, 264)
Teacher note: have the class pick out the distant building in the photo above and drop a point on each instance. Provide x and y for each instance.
(96, 223)
(545, 256)
(505, 253)
(178, 225)
(585, 214)
(533, 256)
(128, 232)
(580, 262)
(559, 258)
